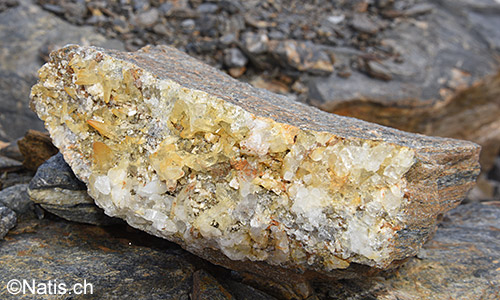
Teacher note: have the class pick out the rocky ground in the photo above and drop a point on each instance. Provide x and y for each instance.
(342, 56)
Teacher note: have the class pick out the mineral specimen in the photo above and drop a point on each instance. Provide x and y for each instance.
(184, 152)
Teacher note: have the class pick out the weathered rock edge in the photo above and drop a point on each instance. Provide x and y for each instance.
(441, 172)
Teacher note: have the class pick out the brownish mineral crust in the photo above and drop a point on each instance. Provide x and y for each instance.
(241, 176)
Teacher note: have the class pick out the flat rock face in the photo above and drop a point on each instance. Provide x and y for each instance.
(237, 174)
(26, 32)
(72, 253)
(119, 262)
(444, 75)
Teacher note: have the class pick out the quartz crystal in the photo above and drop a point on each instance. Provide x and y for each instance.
(180, 150)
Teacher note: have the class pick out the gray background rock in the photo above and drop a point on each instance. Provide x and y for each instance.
(7, 220)
(56, 188)
(120, 263)
(16, 198)
(26, 33)
(431, 49)
(55, 172)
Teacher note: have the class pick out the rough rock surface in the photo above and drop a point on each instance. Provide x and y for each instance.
(19, 176)
(9, 164)
(36, 147)
(207, 287)
(57, 190)
(119, 262)
(16, 198)
(7, 220)
(11, 150)
(185, 152)
(443, 74)
(72, 253)
(26, 32)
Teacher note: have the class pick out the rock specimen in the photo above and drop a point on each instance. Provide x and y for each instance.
(184, 152)
(57, 190)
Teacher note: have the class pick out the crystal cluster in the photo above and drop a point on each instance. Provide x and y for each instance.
(186, 155)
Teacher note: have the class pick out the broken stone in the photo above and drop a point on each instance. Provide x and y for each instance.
(57, 190)
(336, 19)
(419, 9)
(207, 8)
(148, 18)
(302, 56)
(9, 164)
(377, 70)
(255, 43)
(240, 176)
(188, 25)
(15, 177)
(16, 198)
(237, 72)
(233, 57)
(7, 220)
(11, 150)
(36, 147)
(362, 23)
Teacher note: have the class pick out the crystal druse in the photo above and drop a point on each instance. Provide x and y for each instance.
(184, 152)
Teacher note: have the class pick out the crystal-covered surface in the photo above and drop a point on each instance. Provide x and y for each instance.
(188, 166)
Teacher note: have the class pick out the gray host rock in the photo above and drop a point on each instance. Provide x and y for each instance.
(16, 198)
(57, 190)
(7, 220)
